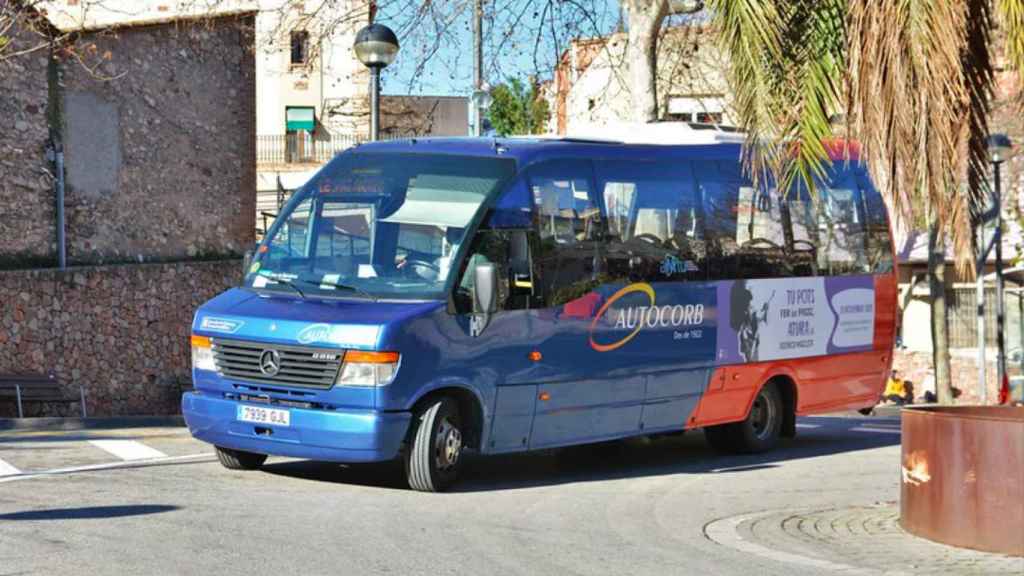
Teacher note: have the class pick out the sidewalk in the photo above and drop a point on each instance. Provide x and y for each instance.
(865, 541)
(90, 423)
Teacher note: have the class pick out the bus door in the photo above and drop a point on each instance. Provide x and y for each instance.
(578, 399)
(656, 260)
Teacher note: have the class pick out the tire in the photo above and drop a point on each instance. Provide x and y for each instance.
(759, 432)
(239, 460)
(433, 453)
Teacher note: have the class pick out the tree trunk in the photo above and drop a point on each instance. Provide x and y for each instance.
(940, 320)
(645, 18)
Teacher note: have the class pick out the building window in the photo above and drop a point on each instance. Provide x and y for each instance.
(300, 47)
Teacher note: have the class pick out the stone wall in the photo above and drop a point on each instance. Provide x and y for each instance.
(158, 124)
(160, 142)
(120, 331)
(26, 191)
(916, 366)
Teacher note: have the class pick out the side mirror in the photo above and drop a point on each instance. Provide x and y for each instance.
(485, 289)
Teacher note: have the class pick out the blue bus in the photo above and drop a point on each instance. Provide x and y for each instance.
(420, 298)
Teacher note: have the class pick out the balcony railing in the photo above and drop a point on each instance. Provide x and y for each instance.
(303, 148)
(300, 148)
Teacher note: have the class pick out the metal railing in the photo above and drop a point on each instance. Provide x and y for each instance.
(304, 148)
(301, 148)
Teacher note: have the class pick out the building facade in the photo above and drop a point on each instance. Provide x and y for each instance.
(590, 85)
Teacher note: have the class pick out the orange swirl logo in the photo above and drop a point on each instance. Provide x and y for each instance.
(641, 287)
(636, 318)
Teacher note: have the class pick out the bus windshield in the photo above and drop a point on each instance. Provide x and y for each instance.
(377, 226)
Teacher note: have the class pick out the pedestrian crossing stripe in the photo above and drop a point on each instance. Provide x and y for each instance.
(8, 470)
(128, 450)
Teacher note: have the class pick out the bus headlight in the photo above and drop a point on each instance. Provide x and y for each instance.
(202, 354)
(368, 368)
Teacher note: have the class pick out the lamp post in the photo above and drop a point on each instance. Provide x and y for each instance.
(480, 101)
(999, 148)
(376, 46)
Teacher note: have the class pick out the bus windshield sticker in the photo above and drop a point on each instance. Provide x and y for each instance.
(225, 325)
(353, 335)
(672, 265)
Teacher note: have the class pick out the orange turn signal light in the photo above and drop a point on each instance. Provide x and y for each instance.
(200, 341)
(544, 396)
(535, 356)
(371, 357)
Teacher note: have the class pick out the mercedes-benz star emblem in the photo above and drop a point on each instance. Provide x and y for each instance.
(270, 362)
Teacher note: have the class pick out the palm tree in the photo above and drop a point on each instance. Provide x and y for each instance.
(914, 79)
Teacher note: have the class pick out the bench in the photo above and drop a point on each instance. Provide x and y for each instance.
(36, 389)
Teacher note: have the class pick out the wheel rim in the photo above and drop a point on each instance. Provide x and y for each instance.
(762, 416)
(447, 445)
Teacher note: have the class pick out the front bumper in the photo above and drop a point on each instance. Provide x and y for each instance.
(337, 435)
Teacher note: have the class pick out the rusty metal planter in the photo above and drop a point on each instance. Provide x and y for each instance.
(963, 476)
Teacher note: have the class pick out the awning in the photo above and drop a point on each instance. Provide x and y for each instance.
(300, 119)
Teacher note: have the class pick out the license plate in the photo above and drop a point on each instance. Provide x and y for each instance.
(258, 415)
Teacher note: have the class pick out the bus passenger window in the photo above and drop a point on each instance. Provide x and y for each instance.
(802, 220)
(567, 261)
(879, 241)
(655, 228)
(718, 185)
(760, 234)
(842, 224)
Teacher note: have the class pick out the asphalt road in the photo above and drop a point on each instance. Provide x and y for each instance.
(634, 507)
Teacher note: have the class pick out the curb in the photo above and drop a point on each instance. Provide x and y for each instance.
(91, 423)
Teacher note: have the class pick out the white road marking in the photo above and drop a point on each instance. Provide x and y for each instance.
(808, 426)
(110, 466)
(128, 449)
(8, 470)
(877, 430)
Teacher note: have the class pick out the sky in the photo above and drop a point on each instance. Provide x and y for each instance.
(522, 39)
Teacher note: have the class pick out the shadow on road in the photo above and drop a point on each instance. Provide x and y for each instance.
(88, 513)
(631, 458)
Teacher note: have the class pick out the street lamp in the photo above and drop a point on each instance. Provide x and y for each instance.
(999, 149)
(376, 46)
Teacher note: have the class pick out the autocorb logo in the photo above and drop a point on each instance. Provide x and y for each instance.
(640, 313)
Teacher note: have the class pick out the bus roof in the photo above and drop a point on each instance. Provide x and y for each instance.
(631, 141)
(536, 149)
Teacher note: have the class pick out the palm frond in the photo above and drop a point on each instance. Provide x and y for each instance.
(786, 70)
(918, 93)
(1011, 16)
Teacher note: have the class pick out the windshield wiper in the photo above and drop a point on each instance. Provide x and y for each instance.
(356, 289)
(287, 283)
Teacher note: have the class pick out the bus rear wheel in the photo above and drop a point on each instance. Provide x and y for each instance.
(239, 460)
(434, 453)
(759, 432)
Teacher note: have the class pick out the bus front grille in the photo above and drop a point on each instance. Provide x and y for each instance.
(300, 366)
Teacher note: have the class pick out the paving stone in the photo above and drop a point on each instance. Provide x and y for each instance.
(861, 540)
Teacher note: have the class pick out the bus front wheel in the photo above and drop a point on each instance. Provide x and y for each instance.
(759, 432)
(433, 455)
